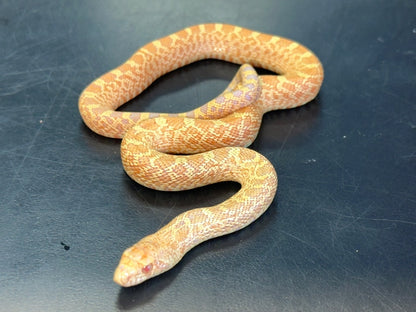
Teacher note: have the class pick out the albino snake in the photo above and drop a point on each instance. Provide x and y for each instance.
(216, 134)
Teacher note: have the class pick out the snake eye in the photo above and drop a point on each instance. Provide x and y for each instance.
(146, 269)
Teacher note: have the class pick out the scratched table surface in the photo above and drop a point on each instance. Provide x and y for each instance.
(341, 232)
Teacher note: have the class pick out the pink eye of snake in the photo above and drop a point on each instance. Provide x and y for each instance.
(146, 269)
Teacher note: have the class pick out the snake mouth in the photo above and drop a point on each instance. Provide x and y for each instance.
(123, 275)
(126, 275)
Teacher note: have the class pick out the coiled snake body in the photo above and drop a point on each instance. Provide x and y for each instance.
(215, 135)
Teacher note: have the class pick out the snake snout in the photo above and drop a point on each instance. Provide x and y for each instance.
(124, 275)
(136, 265)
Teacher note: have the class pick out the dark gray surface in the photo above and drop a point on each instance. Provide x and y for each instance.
(340, 235)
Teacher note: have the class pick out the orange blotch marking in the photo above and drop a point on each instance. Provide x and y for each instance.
(263, 38)
(108, 77)
(167, 41)
(94, 88)
(228, 28)
(182, 34)
(150, 47)
(210, 27)
(138, 58)
(246, 32)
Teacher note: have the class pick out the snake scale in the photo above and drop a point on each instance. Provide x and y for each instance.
(182, 151)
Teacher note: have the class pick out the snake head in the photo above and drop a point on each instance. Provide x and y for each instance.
(137, 264)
